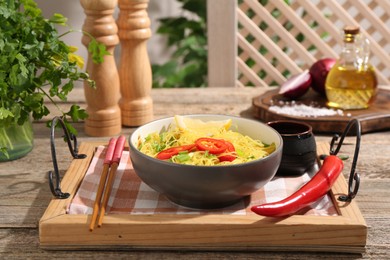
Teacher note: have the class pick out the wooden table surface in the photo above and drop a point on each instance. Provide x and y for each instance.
(25, 193)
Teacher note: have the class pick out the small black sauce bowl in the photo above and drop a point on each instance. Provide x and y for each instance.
(299, 147)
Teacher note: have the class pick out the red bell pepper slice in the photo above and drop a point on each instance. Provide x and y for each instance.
(213, 146)
(229, 156)
(168, 153)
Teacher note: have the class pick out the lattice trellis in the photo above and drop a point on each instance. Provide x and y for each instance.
(276, 39)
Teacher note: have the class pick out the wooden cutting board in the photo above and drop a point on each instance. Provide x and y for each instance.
(375, 118)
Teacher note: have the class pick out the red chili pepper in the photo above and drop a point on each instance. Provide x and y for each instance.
(168, 153)
(213, 146)
(309, 193)
(229, 156)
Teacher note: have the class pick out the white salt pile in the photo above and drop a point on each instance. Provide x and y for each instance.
(294, 109)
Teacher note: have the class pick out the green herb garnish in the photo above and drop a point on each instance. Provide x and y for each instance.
(182, 157)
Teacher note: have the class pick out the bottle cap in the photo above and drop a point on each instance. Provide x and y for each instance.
(350, 32)
(351, 29)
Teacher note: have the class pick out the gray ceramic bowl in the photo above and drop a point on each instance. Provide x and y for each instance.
(207, 187)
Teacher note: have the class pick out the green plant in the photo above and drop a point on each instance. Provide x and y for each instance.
(36, 64)
(188, 67)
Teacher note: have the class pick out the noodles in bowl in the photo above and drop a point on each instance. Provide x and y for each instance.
(214, 184)
(182, 144)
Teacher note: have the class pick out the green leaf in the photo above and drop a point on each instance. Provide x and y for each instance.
(31, 8)
(98, 51)
(5, 12)
(59, 19)
(34, 100)
(21, 60)
(167, 68)
(182, 157)
(67, 88)
(4, 113)
(196, 6)
(76, 113)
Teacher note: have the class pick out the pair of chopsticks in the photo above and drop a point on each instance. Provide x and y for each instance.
(110, 166)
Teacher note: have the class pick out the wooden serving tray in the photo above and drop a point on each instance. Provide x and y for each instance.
(345, 232)
(375, 118)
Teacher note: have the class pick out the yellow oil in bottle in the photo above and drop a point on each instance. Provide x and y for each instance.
(352, 83)
(350, 88)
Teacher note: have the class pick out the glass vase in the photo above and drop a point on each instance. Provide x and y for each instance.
(15, 141)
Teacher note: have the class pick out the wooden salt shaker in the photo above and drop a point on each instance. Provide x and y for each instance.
(102, 103)
(134, 70)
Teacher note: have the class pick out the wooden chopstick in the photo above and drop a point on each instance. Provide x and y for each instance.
(120, 144)
(102, 182)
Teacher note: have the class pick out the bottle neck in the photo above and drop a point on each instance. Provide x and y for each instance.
(348, 54)
(355, 52)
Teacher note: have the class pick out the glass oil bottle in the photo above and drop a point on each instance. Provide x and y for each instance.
(352, 83)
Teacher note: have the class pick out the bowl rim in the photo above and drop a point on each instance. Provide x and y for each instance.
(308, 130)
(163, 162)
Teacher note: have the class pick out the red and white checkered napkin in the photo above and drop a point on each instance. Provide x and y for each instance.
(130, 195)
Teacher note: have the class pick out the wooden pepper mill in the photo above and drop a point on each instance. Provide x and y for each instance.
(102, 103)
(134, 70)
